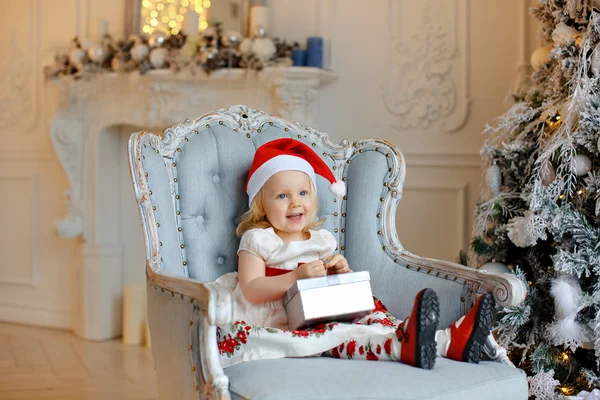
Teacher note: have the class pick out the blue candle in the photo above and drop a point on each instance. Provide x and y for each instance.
(314, 52)
(299, 57)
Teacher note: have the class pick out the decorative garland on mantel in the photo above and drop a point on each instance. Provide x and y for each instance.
(196, 54)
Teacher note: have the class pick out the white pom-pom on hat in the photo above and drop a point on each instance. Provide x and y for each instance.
(338, 188)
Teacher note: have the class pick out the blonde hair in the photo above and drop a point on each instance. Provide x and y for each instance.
(256, 217)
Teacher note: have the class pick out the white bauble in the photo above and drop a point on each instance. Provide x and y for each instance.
(158, 57)
(86, 44)
(76, 57)
(539, 57)
(582, 164)
(548, 174)
(246, 46)
(493, 178)
(97, 54)
(495, 268)
(139, 52)
(263, 48)
(563, 33)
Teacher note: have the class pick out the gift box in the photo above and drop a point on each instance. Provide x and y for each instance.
(343, 297)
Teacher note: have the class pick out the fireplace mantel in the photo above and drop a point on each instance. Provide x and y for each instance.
(160, 99)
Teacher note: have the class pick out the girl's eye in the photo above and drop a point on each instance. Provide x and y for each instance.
(303, 193)
(281, 196)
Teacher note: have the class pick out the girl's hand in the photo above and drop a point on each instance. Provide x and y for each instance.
(337, 265)
(312, 269)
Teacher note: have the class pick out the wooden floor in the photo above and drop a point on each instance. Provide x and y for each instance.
(37, 363)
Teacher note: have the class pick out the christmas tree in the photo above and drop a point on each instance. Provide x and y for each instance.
(539, 216)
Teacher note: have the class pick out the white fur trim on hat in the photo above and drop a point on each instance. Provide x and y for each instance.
(274, 165)
(338, 188)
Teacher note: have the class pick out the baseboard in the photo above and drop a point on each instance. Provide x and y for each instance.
(37, 317)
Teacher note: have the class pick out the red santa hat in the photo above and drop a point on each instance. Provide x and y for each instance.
(288, 155)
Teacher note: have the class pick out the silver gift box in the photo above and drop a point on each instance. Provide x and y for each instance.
(341, 297)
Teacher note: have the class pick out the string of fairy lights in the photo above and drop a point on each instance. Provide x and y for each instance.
(168, 16)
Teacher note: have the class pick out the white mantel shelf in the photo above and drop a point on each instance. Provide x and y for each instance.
(90, 109)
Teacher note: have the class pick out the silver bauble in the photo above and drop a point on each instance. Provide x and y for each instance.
(158, 57)
(598, 144)
(97, 54)
(493, 179)
(596, 62)
(76, 57)
(139, 52)
(582, 164)
(231, 38)
(263, 48)
(495, 268)
(548, 174)
(157, 39)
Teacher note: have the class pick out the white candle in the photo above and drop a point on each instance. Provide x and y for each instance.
(259, 16)
(191, 22)
(134, 314)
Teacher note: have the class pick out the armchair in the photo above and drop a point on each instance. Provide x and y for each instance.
(190, 191)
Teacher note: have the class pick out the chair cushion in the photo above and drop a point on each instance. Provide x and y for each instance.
(329, 378)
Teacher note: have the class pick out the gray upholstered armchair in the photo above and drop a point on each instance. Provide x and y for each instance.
(190, 191)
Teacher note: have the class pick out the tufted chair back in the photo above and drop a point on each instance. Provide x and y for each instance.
(192, 197)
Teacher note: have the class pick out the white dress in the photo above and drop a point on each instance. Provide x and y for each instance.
(277, 254)
(260, 331)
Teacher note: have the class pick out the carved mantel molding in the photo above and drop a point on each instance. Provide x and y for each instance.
(162, 99)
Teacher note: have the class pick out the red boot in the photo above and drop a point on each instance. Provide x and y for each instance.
(417, 333)
(467, 336)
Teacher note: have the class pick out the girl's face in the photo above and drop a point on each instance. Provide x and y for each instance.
(289, 203)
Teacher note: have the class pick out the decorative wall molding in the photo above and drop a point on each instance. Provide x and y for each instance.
(472, 160)
(36, 315)
(30, 260)
(426, 81)
(20, 78)
(462, 193)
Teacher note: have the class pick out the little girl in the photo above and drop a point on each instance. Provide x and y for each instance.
(281, 243)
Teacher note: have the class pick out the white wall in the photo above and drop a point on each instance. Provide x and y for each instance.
(38, 269)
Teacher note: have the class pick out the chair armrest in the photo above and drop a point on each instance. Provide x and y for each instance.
(507, 289)
(215, 299)
(183, 316)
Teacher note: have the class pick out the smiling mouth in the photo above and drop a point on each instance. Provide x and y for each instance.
(294, 216)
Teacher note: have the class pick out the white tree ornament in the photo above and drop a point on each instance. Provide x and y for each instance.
(542, 385)
(495, 267)
(493, 178)
(582, 164)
